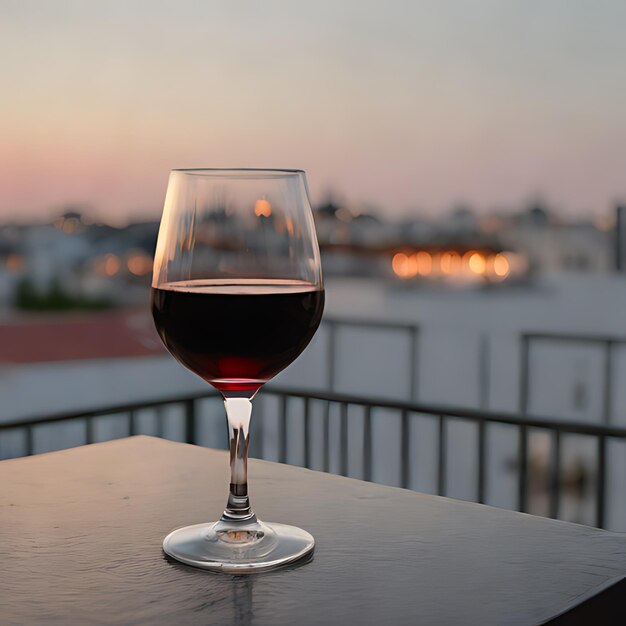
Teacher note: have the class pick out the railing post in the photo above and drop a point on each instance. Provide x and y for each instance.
(413, 363)
(522, 485)
(159, 421)
(367, 444)
(29, 440)
(343, 439)
(190, 421)
(307, 433)
(326, 437)
(282, 430)
(555, 475)
(482, 460)
(524, 374)
(331, 354)
(608, 383)
(483, 371)
(441, 457)
(601, 482)
(257, 427)
(405, 467)
(89, 434)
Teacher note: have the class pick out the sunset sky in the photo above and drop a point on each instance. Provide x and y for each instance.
(408, 106)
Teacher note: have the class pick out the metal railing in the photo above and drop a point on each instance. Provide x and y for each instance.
(606, 343)
(407, 412)
(411, 331)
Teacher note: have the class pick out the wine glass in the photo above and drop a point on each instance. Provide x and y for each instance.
(237, 295)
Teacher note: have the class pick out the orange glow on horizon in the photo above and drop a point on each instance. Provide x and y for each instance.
(412, 265)
(139, 264)
(424, 263)
(111, 265)
(108, 265)
(477, 263)
(466, 257)
(501, 266)
(404, 266)
(450, 262)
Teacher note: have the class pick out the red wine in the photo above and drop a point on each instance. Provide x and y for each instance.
(237, 334)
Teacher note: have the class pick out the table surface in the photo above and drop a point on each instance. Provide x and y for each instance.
(81, 532)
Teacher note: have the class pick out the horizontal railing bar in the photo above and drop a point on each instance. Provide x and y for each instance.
(370, 323)
(575, 338)
(504, 417)
(563, 426)
(107, 410)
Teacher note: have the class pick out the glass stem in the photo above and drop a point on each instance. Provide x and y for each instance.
(238, 411)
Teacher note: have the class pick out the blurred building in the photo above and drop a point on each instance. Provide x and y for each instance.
(74, 263)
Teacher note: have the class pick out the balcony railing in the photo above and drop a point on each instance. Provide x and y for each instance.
(351, 425)
(409, 330)
(606, 343)
(526, 342)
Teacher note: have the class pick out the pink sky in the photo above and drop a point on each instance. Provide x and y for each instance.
(412, 106)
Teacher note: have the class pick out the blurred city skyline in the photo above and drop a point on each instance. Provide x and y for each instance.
(403, 107)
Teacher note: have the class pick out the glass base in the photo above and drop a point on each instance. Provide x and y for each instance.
(238, 548)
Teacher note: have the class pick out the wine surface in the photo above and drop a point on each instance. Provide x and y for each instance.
(237, 334)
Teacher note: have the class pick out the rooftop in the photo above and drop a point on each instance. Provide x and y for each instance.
(106, 335)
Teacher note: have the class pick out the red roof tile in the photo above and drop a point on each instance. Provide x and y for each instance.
(109, 335)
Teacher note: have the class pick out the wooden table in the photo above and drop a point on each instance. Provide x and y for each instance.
(81, 532)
